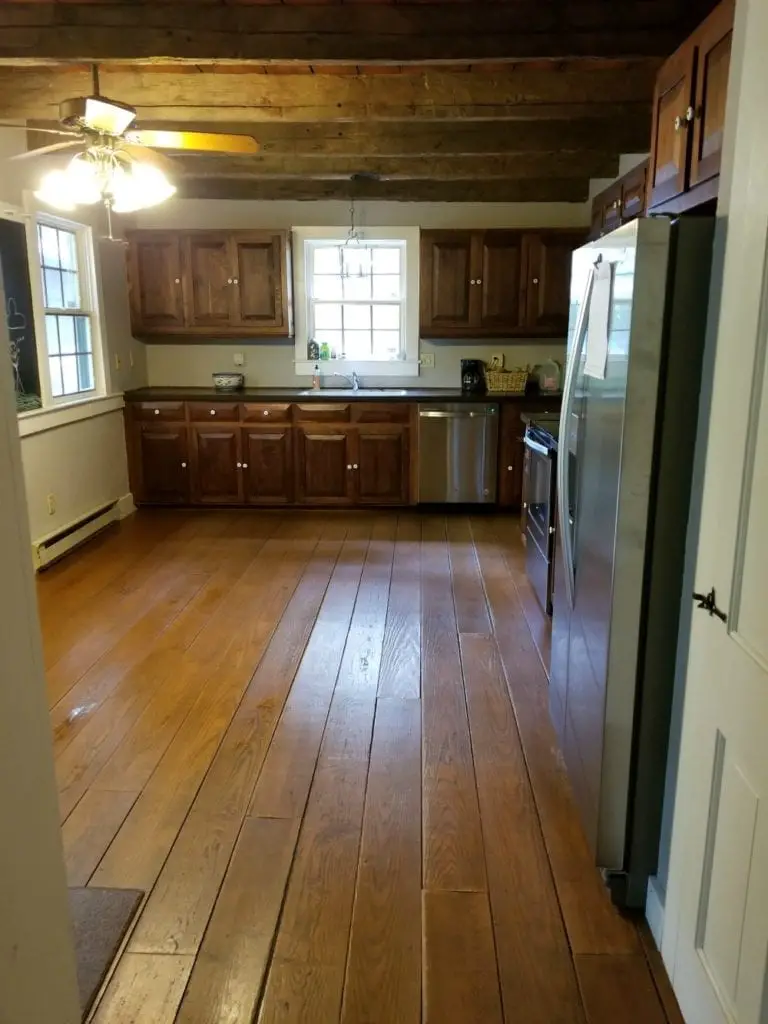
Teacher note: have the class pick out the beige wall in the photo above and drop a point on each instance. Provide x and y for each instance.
(271, 364)
(82, 464)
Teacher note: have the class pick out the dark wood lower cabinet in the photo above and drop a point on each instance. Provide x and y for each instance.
(268, 464)
(163, 465)
(324, 473)
(511, 452)
(217, 465)
(381, 465)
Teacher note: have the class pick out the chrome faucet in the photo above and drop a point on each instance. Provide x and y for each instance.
(354, 380)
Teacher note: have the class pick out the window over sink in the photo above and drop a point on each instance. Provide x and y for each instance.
(357, 301)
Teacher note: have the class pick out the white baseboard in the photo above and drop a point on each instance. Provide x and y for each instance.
(654, 910)
(125, 506)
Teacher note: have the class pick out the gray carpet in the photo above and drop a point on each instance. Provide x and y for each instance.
(101, 918)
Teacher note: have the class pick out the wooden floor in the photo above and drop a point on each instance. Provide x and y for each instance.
(320, 744)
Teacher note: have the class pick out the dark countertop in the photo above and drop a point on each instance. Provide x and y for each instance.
(190, 394)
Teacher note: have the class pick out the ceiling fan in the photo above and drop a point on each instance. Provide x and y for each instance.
(116, 164)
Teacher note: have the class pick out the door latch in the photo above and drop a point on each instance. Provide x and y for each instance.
(709, 604)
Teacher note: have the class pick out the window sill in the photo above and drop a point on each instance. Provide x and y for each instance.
(328, 367)
(53, 417)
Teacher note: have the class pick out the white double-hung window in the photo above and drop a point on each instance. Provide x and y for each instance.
(68, 310)
(359, 308)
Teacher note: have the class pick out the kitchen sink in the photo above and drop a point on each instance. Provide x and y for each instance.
(360, 393)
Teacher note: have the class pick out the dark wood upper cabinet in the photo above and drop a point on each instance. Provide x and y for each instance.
(448, 299)
(215, 283)
(547, 266)
(155, 281)
(381, 464)
(499, 278)
(621, 202)
(163, 464)
(268, 464)
(208, 280)
(217, 465)
(324, 465)
(261, 286)
(476, 284)
(689, 117)
(672, 118)
(714, 40)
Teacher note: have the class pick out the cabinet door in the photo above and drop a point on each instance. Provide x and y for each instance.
(163, 465)
(208, 280)
(381, 465)
(633, 192)
(548, 280)
(612, 208)
(448, 299)
(500, 280)
(268, 464)
(217, 477)
(155, 282)
(713, 39)
(511, 450)
(324, 474)
(259, 281)
(671, 136)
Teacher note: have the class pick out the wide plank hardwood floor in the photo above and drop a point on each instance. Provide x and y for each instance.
(319, 742)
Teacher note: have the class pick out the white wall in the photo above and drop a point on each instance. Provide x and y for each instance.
(271, 364)
(83, 464)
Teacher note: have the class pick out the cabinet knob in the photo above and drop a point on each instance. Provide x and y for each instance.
(535, 280)
(525, 504)
(156, 412)
(183, 465)
(235, 281)
(510, 469)
(266, 412)
(349, 466)
(479, 280)
(473, 281)
(239, 465)
(213, 412)
(354, 465)
(245, 465)
(177, 280)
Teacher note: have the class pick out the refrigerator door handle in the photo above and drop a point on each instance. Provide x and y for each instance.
(563, 462)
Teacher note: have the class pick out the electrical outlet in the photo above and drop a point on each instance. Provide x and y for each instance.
(117, 361)
(498, 358)
(428, 361)
(239, 359)
(51, 503)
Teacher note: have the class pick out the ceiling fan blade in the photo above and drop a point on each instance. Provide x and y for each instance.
(204, 142)
(44, 150)
(33, 128)
(142, 154)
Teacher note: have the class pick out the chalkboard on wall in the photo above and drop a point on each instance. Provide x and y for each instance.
(14, 264)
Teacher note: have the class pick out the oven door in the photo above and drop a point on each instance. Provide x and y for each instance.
(539, 529)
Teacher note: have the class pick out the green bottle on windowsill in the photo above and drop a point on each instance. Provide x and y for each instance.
(325, 350)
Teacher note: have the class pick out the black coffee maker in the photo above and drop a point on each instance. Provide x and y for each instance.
(473, 376)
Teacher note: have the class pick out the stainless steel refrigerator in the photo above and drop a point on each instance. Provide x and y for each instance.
(627, 435)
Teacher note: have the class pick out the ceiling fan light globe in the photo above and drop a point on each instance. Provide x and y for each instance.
(54, 190)
(83, 178)
(139, 188)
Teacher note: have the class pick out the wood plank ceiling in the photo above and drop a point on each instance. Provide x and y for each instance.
(508, 100)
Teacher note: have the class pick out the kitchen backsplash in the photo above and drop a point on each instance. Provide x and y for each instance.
(271, 365)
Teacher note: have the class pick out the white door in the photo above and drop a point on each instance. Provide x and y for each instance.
(715, 940)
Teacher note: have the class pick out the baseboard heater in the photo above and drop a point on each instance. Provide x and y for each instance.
(58, 544)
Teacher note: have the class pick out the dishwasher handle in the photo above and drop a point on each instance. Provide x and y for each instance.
(434, 414)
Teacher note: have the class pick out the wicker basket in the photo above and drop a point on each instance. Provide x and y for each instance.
(508, 382)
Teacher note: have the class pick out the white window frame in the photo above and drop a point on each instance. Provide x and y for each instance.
(404, 367)
(89, 306)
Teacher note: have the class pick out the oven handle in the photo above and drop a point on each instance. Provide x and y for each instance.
(563, 463)
(536, 447)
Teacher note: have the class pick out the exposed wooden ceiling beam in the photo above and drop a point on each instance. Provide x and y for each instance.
(407, 138)
(355, 32)
(419, 168)
(211, 95)
(543, 190)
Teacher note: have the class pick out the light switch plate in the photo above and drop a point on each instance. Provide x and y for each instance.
(239, 359)
(428, 361)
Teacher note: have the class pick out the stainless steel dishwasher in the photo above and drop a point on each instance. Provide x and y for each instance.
(458, 446)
